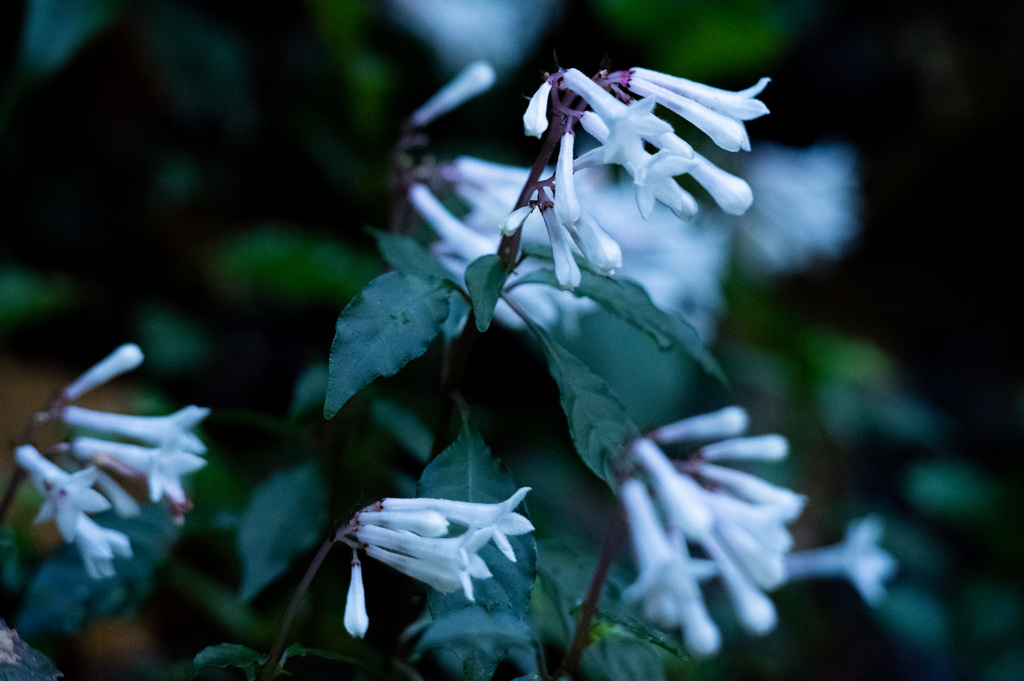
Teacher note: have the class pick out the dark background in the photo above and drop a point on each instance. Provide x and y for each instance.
(197, 177)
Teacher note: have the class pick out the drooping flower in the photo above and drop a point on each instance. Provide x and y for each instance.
(357, 621)
(68, 496)
(99, 545)
(737, 520)
(535, 120)
(414, 537)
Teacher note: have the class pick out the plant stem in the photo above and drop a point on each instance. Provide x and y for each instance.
(270, 667)
(581, 639)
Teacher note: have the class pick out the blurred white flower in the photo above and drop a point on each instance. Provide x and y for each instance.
(502, 32)
(67, 496)
(807, 211)
(122, 360)
(736, 519)
(99, 545)
(474, 79)
(858, 558)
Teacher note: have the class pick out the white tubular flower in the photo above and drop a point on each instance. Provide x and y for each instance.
(501, 518)
(667, 583)
(653, 174)
(99, 545)
(408, 538)
(764, 447)
(566, 270)
(68, 496)
(718, 113)
(447, 226)
(679, 494)
(567, 206)
(357, 621)
(445, 564)
(473, 80)
(737, 519)
(727, 422)
(171, 430)
(122, 360)
(163, 468)
(754, 609)
(535, 120)
(597, 245)
(858, 558)
(732, 194)
(511, 223)
(737, 105)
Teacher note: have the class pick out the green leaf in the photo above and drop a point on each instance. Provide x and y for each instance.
(55, 30)
(490, 633)
(467, 471)
(598, 423)
(393, 320)
(297, 650)
(630, 302)
(480, 633)
(284, 518)
(407, 256)
(228, 655)
(619, 658)
(484, 278)
(20, 662)
(63, 597)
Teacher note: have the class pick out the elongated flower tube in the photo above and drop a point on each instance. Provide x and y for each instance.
(165, 431)
(566, 270)
(597, 245)
(162, 468)
(473, 80)
(447, 226)
(122, 360)
(68, 496)
(727, 422)
(356, 621)
(567, 206)
(414, 536)
(858, 558)
(535, 120)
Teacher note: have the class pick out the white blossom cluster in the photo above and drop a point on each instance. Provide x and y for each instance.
(414, 537)
(694, 520)
(617, 109)
(164, 449)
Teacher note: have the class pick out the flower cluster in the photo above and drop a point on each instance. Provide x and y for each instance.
(414, 536)
(736, 521)
(164, 449)
(617, 109)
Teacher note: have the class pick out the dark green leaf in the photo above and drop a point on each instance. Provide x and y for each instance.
(284, 518)
(228, 655)
(297, 650)
(476, 627)
(484, 278)
(392, 321)
(598, 423)
(407, 256)
(467, 471)
(480, 633)
(19, 662)
(618, 658)
(630, 302)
